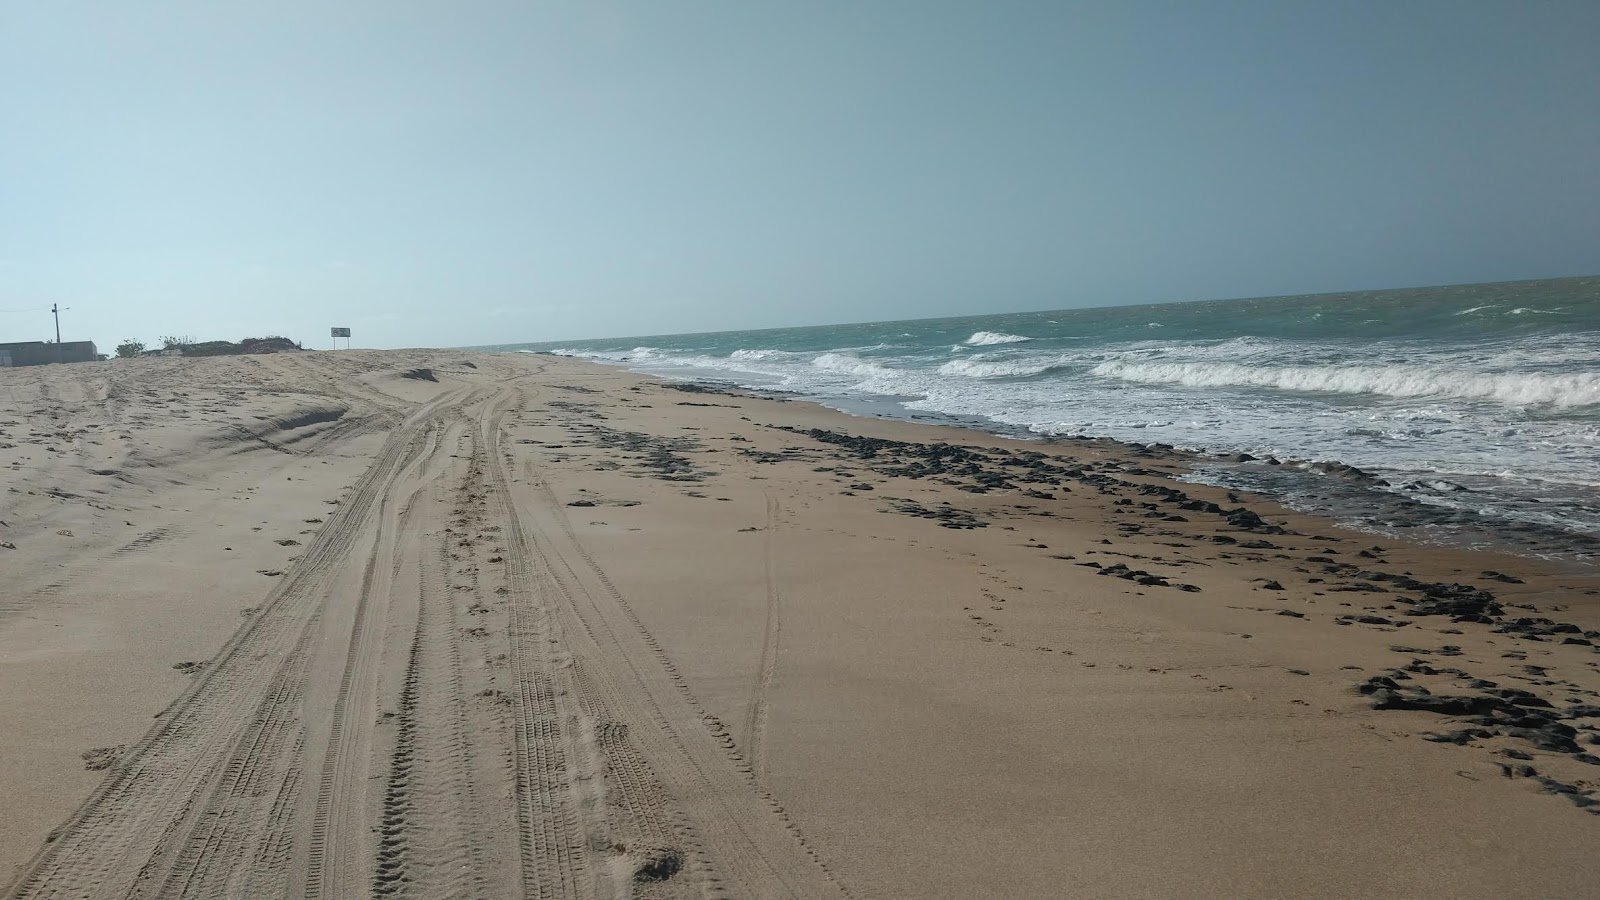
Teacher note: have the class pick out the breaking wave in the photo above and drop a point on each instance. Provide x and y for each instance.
(990, 338)
(1529, 389)
(850, 365)
(979, 367)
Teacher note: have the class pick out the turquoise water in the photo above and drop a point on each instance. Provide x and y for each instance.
(1479, 405)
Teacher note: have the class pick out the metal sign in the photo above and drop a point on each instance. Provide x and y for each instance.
(341, 332)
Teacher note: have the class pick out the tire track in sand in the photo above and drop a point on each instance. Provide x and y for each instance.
(235, 825)
(554, 855)
(742, 833)
(429, 835)
(159, 806)
(755, 717)
(336, 863)
(635, 837)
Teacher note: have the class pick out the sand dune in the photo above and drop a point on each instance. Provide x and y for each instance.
(440, 624)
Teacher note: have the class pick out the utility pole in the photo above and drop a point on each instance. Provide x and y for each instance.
(55, 309)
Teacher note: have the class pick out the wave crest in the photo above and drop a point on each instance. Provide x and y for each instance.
(979, 367)
(1394, 381)
(990, 338)
(849, 365)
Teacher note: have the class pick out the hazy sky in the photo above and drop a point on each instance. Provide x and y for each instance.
(479, 172)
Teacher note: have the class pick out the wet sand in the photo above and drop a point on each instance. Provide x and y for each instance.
(439, 623)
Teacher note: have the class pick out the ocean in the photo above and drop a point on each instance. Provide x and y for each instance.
(1474, 411)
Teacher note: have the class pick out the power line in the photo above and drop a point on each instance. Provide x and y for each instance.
(29, 309)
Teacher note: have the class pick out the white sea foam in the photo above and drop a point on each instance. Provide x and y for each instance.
(759, 353)
(1527, 389)
(987, 367)
(990, 338)
(637, 354)
(850, 365)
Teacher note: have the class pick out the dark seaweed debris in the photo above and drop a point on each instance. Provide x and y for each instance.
(650, 455)
(694, 387)
(980, 470)
(1140, 576)
(1493, 712)
(946, 516)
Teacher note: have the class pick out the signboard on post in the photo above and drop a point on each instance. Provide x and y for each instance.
(341, 333)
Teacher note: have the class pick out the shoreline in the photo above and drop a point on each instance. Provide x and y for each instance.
(888, 658)
(1355, 501)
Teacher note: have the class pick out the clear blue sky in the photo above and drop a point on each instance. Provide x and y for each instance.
(448, 173)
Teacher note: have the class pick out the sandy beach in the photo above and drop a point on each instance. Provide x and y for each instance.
(449, 624)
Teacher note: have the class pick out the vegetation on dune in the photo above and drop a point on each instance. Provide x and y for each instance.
(269, 344)
(185, 345)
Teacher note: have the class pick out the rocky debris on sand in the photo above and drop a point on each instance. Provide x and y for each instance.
(1587, 800)
(1386, 693)
(1497, 712)
(1461, 736)
(652, 456)
(694, 387)
(1462, 602)
(1369, 619)
(1348, 473)
(1140, 576)
(980, 470)
(1536, 628)
(1246, 520)
(1360, 587)
(946, 516)
(1492, 575)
